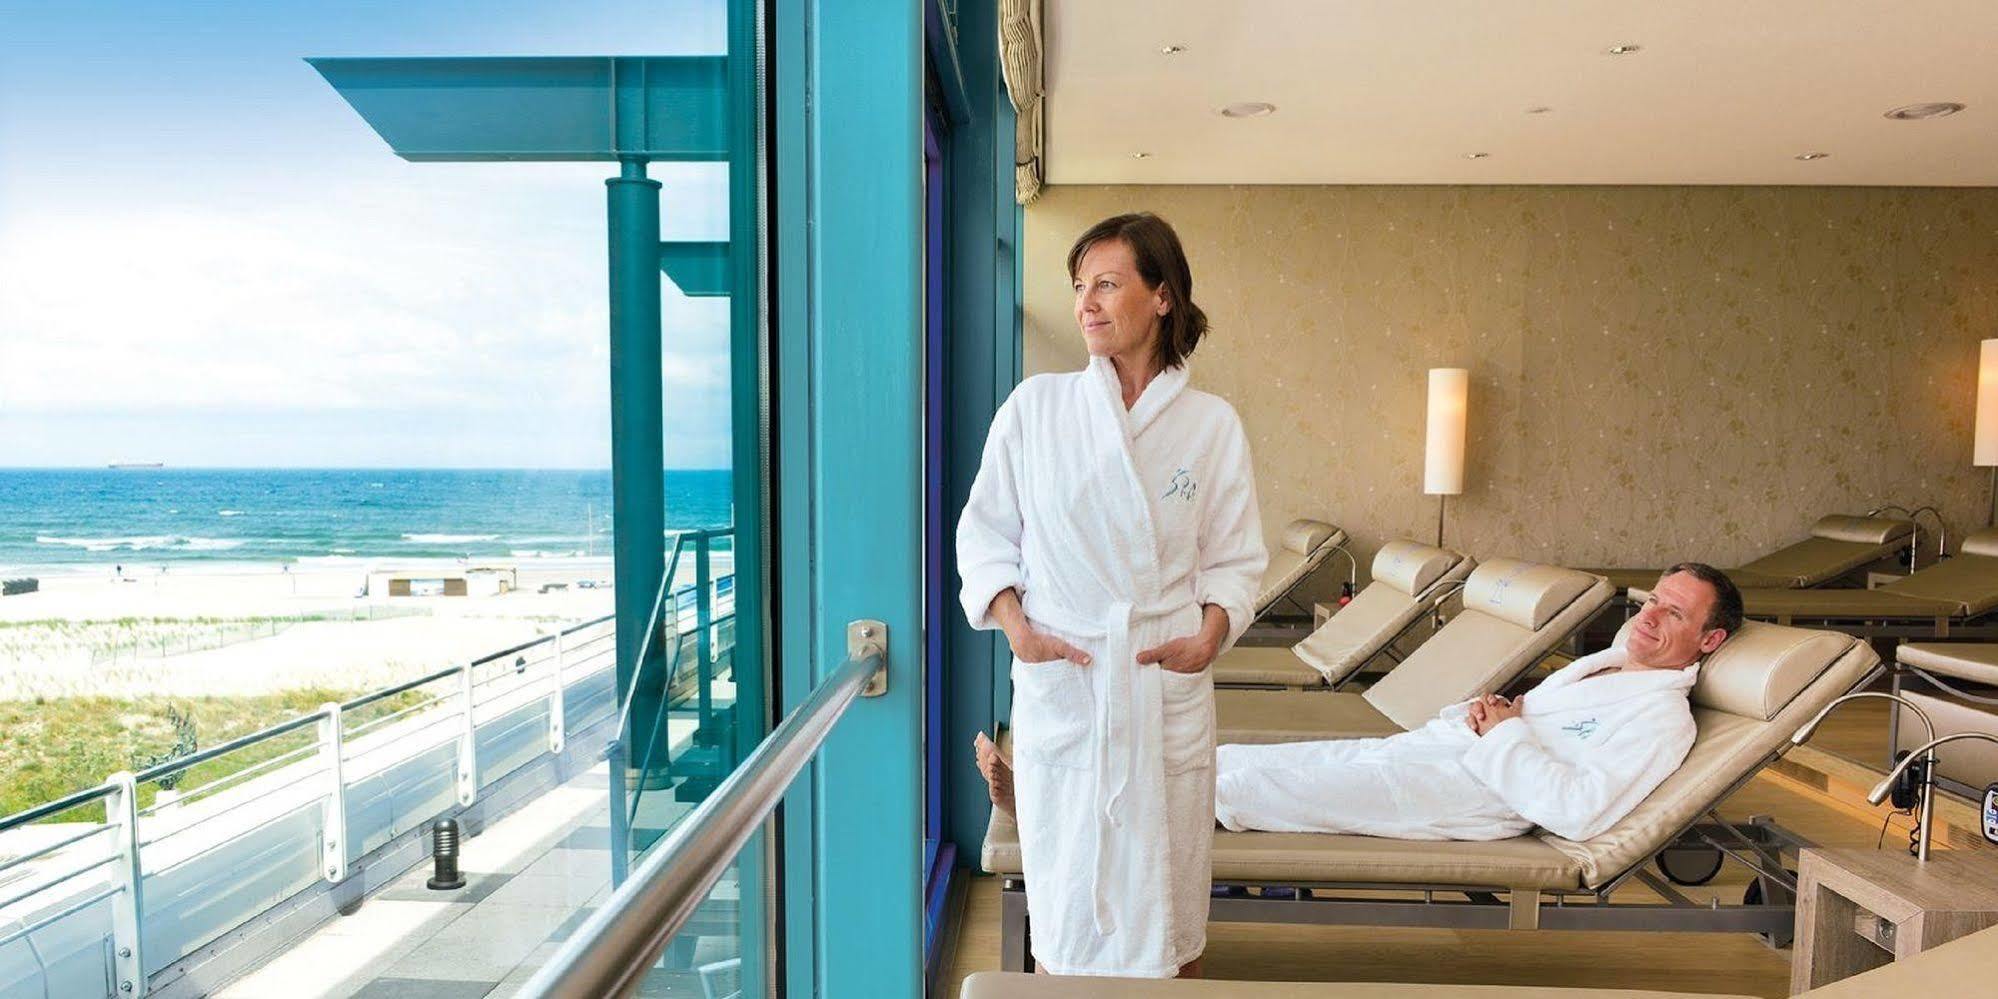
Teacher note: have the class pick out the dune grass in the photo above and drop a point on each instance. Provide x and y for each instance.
(52, 747)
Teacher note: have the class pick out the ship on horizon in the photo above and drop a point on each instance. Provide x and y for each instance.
(137, 464)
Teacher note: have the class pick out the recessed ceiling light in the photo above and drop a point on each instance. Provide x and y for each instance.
(1172, 49)
(1812, 156)
(1476, 156)
(1141, 156)
(1623, 49)
(1248, 109)
(1538, 109)
(1917, 112)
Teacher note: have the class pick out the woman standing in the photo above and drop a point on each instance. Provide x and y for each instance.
(1113, 534)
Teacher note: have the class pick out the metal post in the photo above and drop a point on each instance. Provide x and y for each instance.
(1441, 502)
(704, 617)
(468, 743)
(620, 821)
(333, 841)
(121, 812)
(638, 449)
(555, 738)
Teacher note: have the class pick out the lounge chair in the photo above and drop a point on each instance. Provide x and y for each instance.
(1307, 544)
(1952, 597)
(1960, 967)
(1514, 614)
(1410, 579)
(1752, 695)
(1935, 675)
(1838, 546)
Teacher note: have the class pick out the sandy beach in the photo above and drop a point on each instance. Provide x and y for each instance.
(233, 630)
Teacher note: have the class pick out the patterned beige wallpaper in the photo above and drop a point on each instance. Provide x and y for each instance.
(1656, 373)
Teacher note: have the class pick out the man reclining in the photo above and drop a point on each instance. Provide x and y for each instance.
(1572, 756)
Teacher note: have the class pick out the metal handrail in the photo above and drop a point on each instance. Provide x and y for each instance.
(611, 952)
(133, 855)
(93, 794)
(56, 807)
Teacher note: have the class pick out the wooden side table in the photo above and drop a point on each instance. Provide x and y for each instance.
(1860, 909)
(1322, 612)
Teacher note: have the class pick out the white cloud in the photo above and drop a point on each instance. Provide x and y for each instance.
(399, 287)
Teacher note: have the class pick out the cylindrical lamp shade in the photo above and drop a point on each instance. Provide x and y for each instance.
(1443, 455)
(1986, 449)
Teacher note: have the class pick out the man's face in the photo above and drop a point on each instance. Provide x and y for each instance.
(1670, 631)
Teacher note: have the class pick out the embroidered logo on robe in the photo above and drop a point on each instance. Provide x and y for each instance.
(1182, 486)
(1581, 729)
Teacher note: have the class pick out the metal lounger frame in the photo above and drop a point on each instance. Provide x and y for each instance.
(1289, 592)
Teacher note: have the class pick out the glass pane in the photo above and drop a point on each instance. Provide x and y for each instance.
(295, 414)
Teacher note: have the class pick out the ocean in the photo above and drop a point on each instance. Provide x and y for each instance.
(52, 520)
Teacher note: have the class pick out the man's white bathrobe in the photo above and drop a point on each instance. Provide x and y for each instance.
(1583, 752)
(1115, 527)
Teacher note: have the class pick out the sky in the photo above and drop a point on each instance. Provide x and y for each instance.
(207, 259)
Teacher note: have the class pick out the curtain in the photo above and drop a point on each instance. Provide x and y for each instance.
(1020, 59)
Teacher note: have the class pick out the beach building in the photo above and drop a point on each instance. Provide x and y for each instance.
(1507, 299)
(434, 581)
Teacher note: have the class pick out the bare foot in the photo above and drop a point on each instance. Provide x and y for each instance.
(998, 773)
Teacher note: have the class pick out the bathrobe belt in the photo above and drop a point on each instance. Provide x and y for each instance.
(1129, 712)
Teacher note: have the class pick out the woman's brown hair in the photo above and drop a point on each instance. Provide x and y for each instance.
(1161, 260)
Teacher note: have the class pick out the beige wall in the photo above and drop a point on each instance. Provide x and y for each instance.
(1656, 373)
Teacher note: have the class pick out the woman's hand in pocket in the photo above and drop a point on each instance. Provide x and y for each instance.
(1041, 647)
(1183, 655)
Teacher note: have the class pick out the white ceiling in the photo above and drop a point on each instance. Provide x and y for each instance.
(1383, 92)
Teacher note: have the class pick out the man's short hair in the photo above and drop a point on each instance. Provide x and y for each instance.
(1726, 613)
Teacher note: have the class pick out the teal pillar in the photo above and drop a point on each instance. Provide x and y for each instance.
(638, 458)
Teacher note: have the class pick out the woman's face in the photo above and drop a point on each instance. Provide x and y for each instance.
(1118, 314)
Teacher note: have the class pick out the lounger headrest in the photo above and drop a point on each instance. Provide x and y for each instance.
(1983, 541)
(1864, 530)
(1761, 668)
(1412, 567)
(1526, 594)
(1305, 536)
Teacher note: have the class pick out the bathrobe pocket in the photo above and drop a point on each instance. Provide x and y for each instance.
(1053, 712)
(1188, 729)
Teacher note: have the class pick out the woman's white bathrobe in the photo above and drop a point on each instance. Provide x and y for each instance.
(1115, 527)
(1583, 752)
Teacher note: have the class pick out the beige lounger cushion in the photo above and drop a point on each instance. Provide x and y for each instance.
(1306, 545)
(1359, 631)
(1479, 652)
(1862, 530)
(1968, 583)
(1983, 541)
(1526, 594)
(1838, 544)
(1412, 567)
(1811, 562)
(1749, 673)
(1271, 665)
(1974, 661)
(1763, 667)
(1860, 604)
(1960, 967)
(1403, 572)
(1319, 858)
(1017, 985)
(1261, 716)
(1635, 580)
